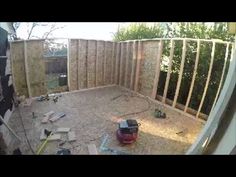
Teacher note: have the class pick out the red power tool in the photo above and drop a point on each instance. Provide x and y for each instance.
(128, 131)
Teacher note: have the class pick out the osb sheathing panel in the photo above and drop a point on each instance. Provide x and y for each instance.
(91, 63)
(108, 63)
(73, 65)
(148, 66)
(18, 68)
(122, 63)
(117, 64)
(36, 67)
(133, 67)
(113, 63)
(100, 63)
(128, 66)
(82, 63)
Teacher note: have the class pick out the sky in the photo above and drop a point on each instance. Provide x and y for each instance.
(98, 30)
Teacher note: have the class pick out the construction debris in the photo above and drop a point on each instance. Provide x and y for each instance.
(62, 130)
(159, 114)
(55, 99)
(104, 148)
(43, 98)
(63, 151)
(56, 117)
(33, 115)
(48, 114)
(27, 102)
(71, 136)
(92, 149)
(54, 137)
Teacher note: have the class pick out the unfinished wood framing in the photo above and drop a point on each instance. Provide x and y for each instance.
(104, 64)
(35, 67)
(27, 69)
(222, 75)
(172, 44)
(77, 63)
(139, 55)
(73, 65)
(100, 63)
(208, 78)
(86, 65)
(96, 61)
(108, 64)
(127, 64)
(158, 67)
(18, 68)
(121, 62)
(82, 66)
(117, 66)
(113, 62)
(194, 76)
(180, 73)
(133, 67)
(91, 64)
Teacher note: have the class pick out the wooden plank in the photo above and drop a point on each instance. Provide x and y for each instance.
(158, 66)
(71, 136)
(91, 65)
(82, 57)
(27, 69)
(73, 80)
(180, 73)
(222, 75)
(108, 64)
(139, 55)
(172, 43)
(96, 64)
(77, 62)
(92, 149)
(99, 63)
(127, 64)
(57, 117)
(63, 130)
(121, 62)
(117, 65)
(49, 113)
(104, 64)
(208, 79)
(86, 65)
(54, 137)
(134, 60)
(194, 75)
(113, 63)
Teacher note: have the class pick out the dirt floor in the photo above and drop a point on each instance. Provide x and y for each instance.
(95, 113)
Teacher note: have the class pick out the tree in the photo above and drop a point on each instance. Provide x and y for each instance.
(32, 27)
(186, 30)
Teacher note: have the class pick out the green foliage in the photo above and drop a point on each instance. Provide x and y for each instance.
(186, 30)
(138, 31)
